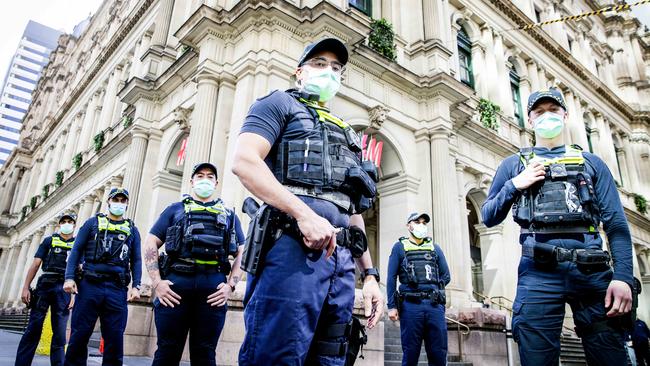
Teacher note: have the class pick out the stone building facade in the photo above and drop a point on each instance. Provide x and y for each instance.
(148, 79)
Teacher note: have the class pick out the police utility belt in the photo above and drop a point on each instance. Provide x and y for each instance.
(547, 256)
(119, 278)
(436, 296)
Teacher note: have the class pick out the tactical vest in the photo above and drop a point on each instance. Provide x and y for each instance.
(326, 160)
(420, 266)
(109, 245)
(203, 235)
(57, 256)
(564, 201)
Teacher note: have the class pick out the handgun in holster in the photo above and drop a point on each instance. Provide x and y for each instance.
(263, 231)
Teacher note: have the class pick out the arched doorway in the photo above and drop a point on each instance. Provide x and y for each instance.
(475, 248)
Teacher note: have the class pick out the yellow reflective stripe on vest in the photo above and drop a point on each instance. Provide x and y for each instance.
(105, 225)
(191, 206)
(409, 246)
(210, 263)
(324, 115)
(572, 156)
(58, 243)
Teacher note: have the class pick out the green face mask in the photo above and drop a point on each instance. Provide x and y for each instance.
(323, 82)
(549, 125)
(67, 229)
(204, 188)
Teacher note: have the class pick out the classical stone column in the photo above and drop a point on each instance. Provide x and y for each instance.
(56, 159)
(8, 261)
(436, 19)
(45, 167)
(493, 259)
(163, 21)
(86, 209)
(464, 273)
(423, 148)
(73, 133)
(106, 116)
(133, 173)
(33, 180)
(491, 71)
(630, 162)
(16, 284)
(103, 205)
(533, 75)
(221, 132)
(9, 192)
(478, 68)
(87, 125)
(202, 125)
(446, 226)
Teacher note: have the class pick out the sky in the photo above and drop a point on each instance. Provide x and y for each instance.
(57, 14)
(65, 14)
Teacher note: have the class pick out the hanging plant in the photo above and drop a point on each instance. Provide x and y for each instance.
(33, 201)
(98, 141)
(641, 203)
(59, 179)
(127, 121)
(46, 191)
(76, 161)
(23, 212)
(488, 113)
(382, 38)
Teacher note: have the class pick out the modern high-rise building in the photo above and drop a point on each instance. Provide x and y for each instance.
(31, 56)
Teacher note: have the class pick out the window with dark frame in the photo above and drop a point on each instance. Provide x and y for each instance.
(516, 96)
(465, 58)
(588, 131)
(365, 6)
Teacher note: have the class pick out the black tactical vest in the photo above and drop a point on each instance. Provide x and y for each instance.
(109, 244)
(57, 256)
(420, 266)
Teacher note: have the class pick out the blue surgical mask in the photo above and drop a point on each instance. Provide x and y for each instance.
(420, 231)
(204, 188)
(323, 82)
(66, 229)
(549, 125)
(116, 208)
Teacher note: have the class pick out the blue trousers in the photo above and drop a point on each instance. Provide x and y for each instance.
(298, 294)
(104, 300)
(194, 315)
(50, 295)
(538, 313)
(422, 321)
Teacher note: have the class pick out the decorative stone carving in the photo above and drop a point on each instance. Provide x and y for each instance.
(182, 118)
(377, 117)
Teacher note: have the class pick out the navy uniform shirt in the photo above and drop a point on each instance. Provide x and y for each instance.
(395, 261)
(270, 117)
(85, 234)
(45, 246)
(175, 212)
(503, 194)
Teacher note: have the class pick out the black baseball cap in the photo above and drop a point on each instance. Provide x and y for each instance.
(553, 93)
(71, 216)
(416, 216)
(200, 166)
(326, 44)
(117, 191)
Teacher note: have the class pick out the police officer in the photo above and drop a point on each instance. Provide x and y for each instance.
(297, 157)
(109, 245)
(423, 274)
(559, 195)
(52, 254)
(199, 234)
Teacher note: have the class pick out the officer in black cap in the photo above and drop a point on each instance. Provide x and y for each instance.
(193, 281)
(52, 254)
(420, 303)
(299, 158)
(109, 247)
(559, 196)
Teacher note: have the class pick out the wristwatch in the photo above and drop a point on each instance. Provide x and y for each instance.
(370, 272)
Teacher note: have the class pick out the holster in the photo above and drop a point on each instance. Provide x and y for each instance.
(33, 298)
(263, 231)
(354, 239)
(358, 338)
(592, 260)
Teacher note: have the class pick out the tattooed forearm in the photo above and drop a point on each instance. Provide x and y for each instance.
(151, 259)
(235, 280)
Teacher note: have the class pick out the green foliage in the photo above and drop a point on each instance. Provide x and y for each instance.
(98, 141)
(382, 37)
(23, 212)
(185, 48)
(59, 179)
(46, 191)
(127, 121)
(33, 201)
(641, 203)
(76, 161)
(488, 112)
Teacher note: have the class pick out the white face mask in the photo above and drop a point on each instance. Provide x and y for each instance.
(549, 125)
(323, 82)
(204, 188)
(420, 231)
(66, 229)
(117, 208)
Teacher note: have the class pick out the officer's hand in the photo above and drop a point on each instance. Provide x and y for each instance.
(532, 174)
(134, 294)
(373, 301)
(619, 297)
(70, 286)
(165, 295)
(318, 233)
(393, 315)
(71, 304)
(25, 296)
(219, 297)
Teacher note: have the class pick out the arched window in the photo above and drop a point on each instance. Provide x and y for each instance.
(465, 58)
(516, 96)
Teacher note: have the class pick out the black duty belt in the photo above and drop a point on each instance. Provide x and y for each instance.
(352, 238)
(433, 295)
(548, 256)
(560, 230)
(122, 279)
(192, 268)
